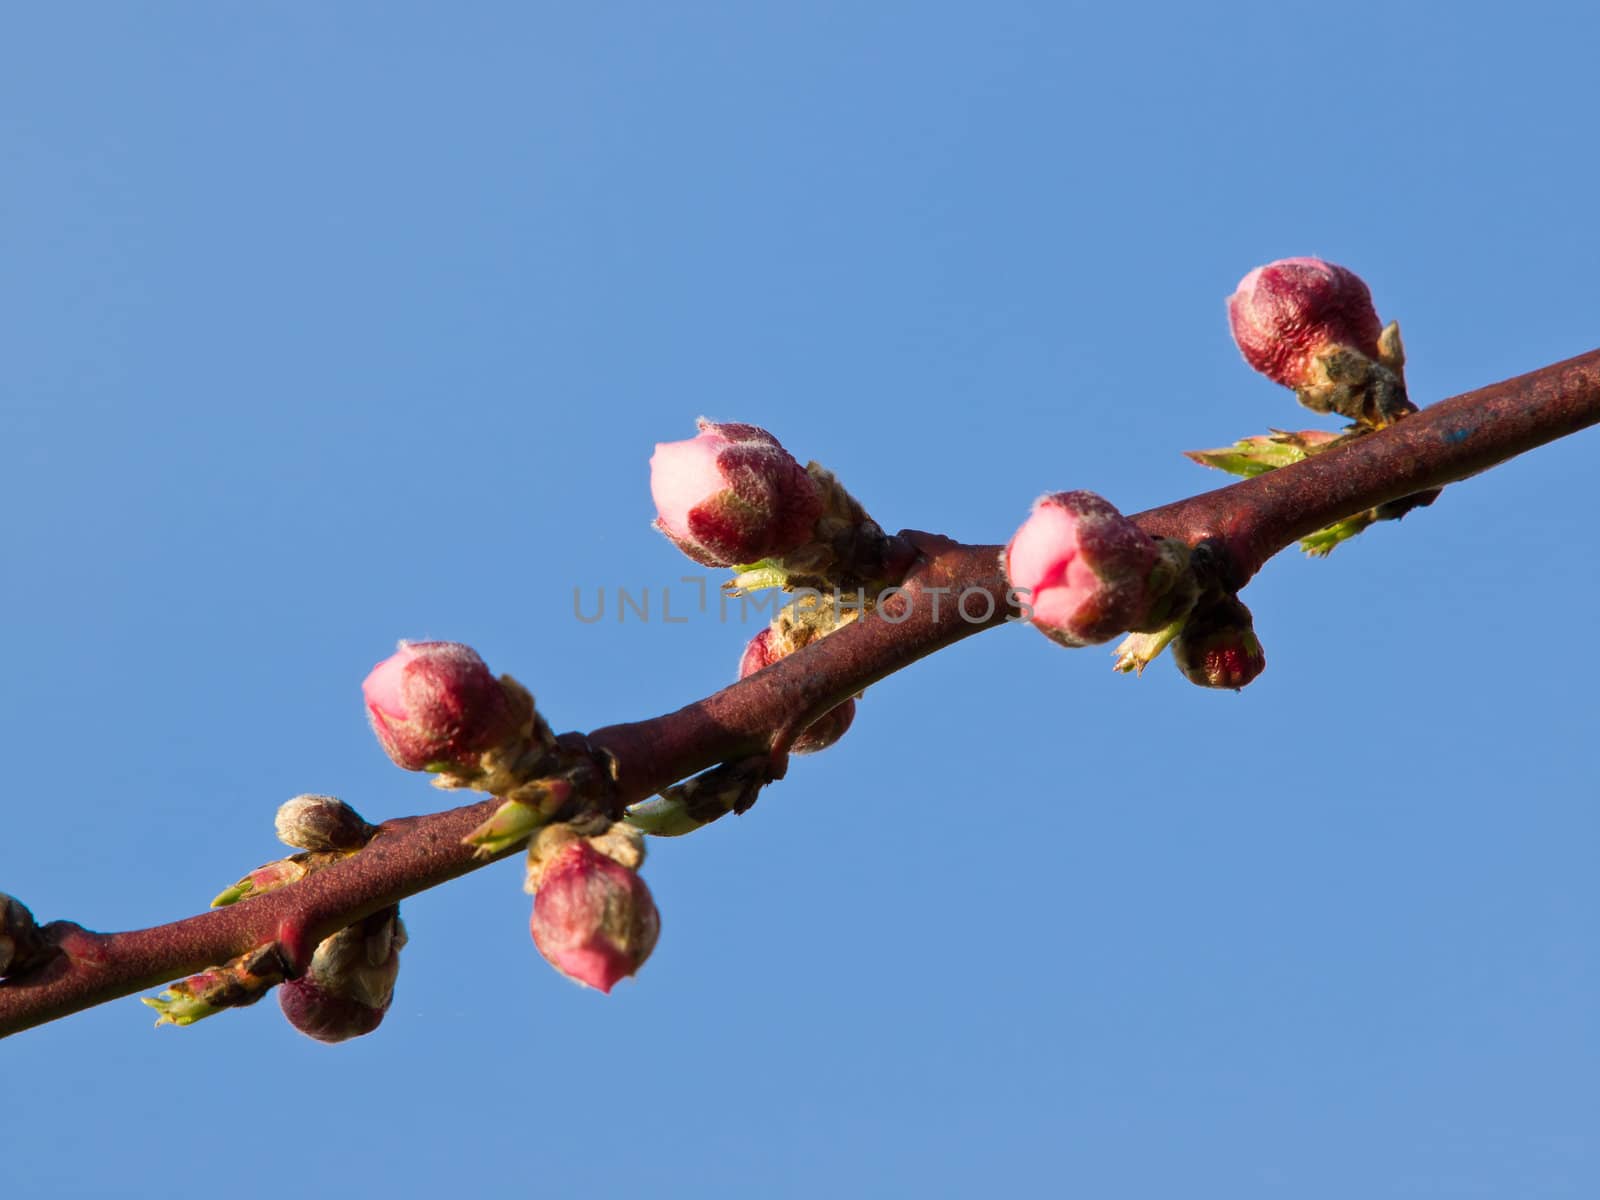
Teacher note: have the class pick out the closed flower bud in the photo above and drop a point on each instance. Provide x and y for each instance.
(1218, 647)
(350, 982)
(321, 823)
(1288, 313)
(732, 495)
(1082, 568)
(767, 648)
(435, 704)
(1311, 326)
(593, 918)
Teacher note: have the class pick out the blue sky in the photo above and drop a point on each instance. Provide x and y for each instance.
(331, 325)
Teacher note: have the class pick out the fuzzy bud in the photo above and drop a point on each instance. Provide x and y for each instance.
(321, 823)
(1288, 313)
(435, 704)
(732, 495)
(1082, 568)
(350, 982)
(766, 648)
(1218, 647)
(1311, 326)
(593, 918)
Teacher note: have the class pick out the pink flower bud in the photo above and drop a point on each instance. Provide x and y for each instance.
(732, 495)
(1289, 313)
(1082, 567)
(764, 650)
(436, 703)
(593, 918)
(1218, 647)
(350, 982)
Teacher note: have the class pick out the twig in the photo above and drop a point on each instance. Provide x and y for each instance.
(1243, 526)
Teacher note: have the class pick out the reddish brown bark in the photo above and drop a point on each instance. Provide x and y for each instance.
(1245, 524)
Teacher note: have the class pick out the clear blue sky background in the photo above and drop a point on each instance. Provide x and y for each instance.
(328, 325)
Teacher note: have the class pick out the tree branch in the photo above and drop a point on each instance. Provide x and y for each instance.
(1446, 442)
(943, 601)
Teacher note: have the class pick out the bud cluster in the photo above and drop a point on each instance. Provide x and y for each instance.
(733, 497)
